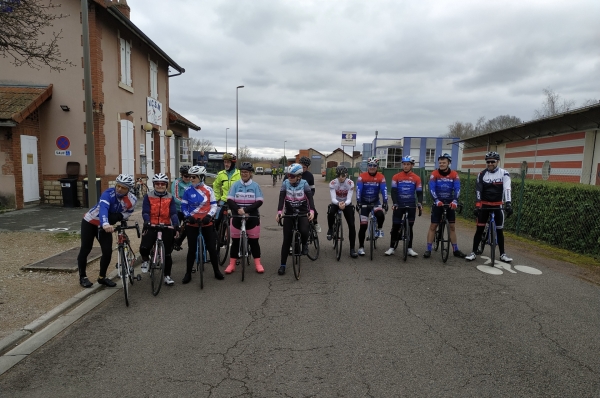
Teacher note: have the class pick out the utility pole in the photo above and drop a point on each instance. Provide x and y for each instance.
(89, 116)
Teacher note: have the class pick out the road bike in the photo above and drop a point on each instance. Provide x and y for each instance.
(140, 189)
(371, 229)
(489, 235)
(404, 233)
(157, 258)
(296, 242)
(126, 258)
(244, 249)
(274, 179)
(223, 235)
(337, 234)
(314, 247)
(442, 235)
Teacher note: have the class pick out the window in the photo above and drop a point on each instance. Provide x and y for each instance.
(394, 158)
(153, 80)
(430, 156)
(126, 62)
(184, 152)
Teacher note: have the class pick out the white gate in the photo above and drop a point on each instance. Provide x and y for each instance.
(29, 162)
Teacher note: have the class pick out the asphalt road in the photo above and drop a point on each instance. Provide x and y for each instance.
(354, 328)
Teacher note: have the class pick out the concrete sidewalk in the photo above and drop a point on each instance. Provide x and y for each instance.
(43, 218)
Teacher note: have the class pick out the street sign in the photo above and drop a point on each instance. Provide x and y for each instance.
(62, 153)
(348, 138)
(63, 143)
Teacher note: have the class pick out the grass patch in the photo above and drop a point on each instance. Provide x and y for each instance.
(63, 237)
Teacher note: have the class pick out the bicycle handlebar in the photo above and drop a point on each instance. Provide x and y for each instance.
(124, 226)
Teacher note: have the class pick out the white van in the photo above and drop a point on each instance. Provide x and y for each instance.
(259, 170)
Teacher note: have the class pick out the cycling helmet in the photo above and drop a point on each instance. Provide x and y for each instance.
(295, 169)
(373, 160)
(197, 170)
(230, 156)
(125, 179)
(492, 155)
(412, 160)
(446, 156)
(407, 159)
(341, 170)
(184, 169)
(246, 166)
(305, 161)
(160, 177)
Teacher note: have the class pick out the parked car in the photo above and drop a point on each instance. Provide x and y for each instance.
(268, 171)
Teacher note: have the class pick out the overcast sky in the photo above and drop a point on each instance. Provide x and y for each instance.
(312, 69)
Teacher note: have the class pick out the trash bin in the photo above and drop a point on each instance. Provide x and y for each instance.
(85, 188)
(68, 187)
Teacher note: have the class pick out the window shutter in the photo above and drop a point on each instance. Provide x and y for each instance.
(128, 63)
(172, 171)
(163, 165)
(153, 80)
(123, 62)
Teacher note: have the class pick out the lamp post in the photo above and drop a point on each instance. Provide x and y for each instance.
(226, 139)
(237, 142)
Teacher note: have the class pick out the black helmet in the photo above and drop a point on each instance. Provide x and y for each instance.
(247, 166)
(305, 161)
(446, 156)
(492, 155)
(184, 169)
(341, 170)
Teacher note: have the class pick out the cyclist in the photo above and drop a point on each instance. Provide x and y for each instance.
(245, 197)
(342, 190)
(405, 185)
(444, 185)
(295, 197)
(199, 206)
(159, 207)
(369, 186)
(177, 189)
(274, 172)
(115, 204)
(491, 185)
(310, 179)
(224, 181)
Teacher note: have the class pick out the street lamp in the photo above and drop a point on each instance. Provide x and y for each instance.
(226, 139)
(237, 142)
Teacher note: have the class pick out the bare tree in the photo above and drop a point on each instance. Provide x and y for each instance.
(23, 24)
(590, 102)
(461, 130)
(553, 105)
(466, 130)
(201, 144)
(244, 155)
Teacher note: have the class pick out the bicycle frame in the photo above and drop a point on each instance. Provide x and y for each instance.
(158, 260)
(490, 235)
(371, 227)
(124, 268)
(296, 242)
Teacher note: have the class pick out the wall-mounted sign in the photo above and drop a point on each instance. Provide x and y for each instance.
(142, 149)
(62, 153)
(63, 143)
(30, 158)
(154, 111)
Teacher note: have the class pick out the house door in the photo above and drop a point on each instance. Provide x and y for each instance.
(29, 162)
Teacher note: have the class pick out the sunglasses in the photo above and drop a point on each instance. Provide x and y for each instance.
(194, 177)
(371, 165)
(491, 162)
(292, 176)
(161, 184)
(185, 175)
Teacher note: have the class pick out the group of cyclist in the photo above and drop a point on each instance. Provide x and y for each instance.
(193, 206)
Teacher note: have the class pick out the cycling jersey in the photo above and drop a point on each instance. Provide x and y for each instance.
(110, 203)
(369, 187)
(308, 177)
(444, 187)
(159, 209)
(341, 191)
(490, 187)
(199, 201)
(246, 195)
(223, 182)
(177, 189)
(295, 198)
(404, 187)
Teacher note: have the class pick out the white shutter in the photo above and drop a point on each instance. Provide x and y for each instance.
(128, 62)
(163, 152)
(123, 62)
(174, 173)
(127, 150)
(149, 154)
(153, 80)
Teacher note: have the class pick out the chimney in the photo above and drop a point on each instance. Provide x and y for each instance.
(122, 6)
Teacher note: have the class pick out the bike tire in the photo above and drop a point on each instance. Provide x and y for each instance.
(484, 238)
(200, 256)
(405, 239)
(445, 239)
(223, 240)
(157, 268)
(130, 255)
(313, 243)
(123, 265)
(296, 253)
(493, 243)
(244, 251)
(437, 237)
(334, 235)
(339, 237)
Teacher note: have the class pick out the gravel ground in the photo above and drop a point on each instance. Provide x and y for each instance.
(27, 295)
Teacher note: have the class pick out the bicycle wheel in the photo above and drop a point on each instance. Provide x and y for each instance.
(372, 236)
(313, 243)
(339, 237)
(437, 237)
(130, 262)
(334, 234)
(493, 243)
(223, 240)
(244, 253)
(157, 267)
(405, 238)
(123, 269)
(484, 238)
(296, 250)
(445, 239)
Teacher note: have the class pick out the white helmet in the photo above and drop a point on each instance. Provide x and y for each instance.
(160, 177)
(197, 170)
(125, 179)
